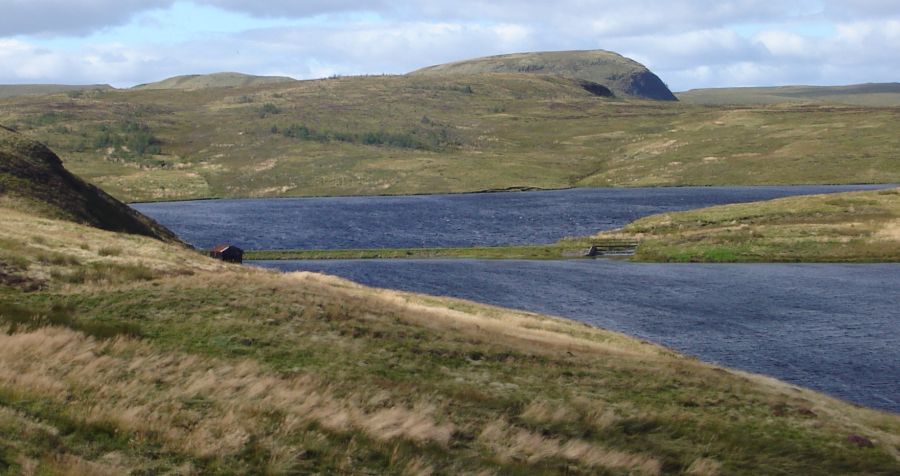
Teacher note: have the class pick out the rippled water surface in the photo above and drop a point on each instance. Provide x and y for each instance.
(482, 219)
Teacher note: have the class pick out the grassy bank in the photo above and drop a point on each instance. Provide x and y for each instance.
(499, 252)
(563, 250)
(846, 227)
(123, 354)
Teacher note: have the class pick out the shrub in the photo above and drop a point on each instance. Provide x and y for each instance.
(109, 251)
(268, 109)
(19, 318)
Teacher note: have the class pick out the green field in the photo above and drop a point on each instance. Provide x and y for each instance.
(845, 227)
(419, 134)
(874, 95)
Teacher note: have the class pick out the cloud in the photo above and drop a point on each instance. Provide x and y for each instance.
(688, 43)
(69, 17)
(609, 17)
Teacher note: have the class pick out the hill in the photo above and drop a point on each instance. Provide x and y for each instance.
(434, 134)
(123, 354)
(624, 76)
(214, 80)
(844, 227)
(13, 90)
(32, 178)
(872, 94)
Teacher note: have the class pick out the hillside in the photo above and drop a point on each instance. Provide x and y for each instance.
(32, 178)
(873, 94)
(624, 76)
(123, 354)
(214, 80)
(844, 227)
(13, 90)
(432, 134)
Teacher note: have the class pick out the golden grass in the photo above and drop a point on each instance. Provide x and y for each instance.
(142, 391)
(81, 246)
(704, 467)
(521, 330)
(516, 444)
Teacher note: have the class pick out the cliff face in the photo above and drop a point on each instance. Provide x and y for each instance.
(623, 76)
(647, 85)
(33, 178)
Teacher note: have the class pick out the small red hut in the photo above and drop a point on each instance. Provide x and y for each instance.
(229, 253)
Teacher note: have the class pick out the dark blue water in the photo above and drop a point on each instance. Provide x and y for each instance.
(834, 328)
(437, 220)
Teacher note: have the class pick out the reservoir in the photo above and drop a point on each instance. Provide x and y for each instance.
(478, 219)
(830, 327)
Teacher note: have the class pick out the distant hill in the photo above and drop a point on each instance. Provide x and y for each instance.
(435, 134)
(14, 90)
(32, 178)
(871, 94)
(214, 80)
(624, 76)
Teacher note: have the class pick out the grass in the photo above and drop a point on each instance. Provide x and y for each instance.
(846, 227)
(874, 95)
(197, 366)
(562, 250)
(418, 134)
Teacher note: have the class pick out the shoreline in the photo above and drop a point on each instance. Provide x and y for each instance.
(516, 189)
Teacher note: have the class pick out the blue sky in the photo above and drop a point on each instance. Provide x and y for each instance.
(689, 43)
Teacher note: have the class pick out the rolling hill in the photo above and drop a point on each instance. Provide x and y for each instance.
(872, 94)
(435, 134)
(214, 80)
(33, 178)
(13, 90)
(624, 76)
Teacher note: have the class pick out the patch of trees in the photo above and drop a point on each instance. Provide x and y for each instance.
(433, 139)
(137, 138)
(269, 109)
(130, 140)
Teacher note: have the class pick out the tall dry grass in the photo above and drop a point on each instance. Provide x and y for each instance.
(519, 330)
(206, 407)
(510, 443)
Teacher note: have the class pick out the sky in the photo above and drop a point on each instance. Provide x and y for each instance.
(688, 43)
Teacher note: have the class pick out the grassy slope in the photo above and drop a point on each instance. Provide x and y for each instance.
(32, 178)
(876, 94)
(846, 227)
(13, 90)
(158, 359)
(454, 134)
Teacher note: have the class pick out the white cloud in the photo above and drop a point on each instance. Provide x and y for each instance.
(785, 44)
(689, 43)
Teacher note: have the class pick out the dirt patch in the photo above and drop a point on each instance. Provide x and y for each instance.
(9, 278)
